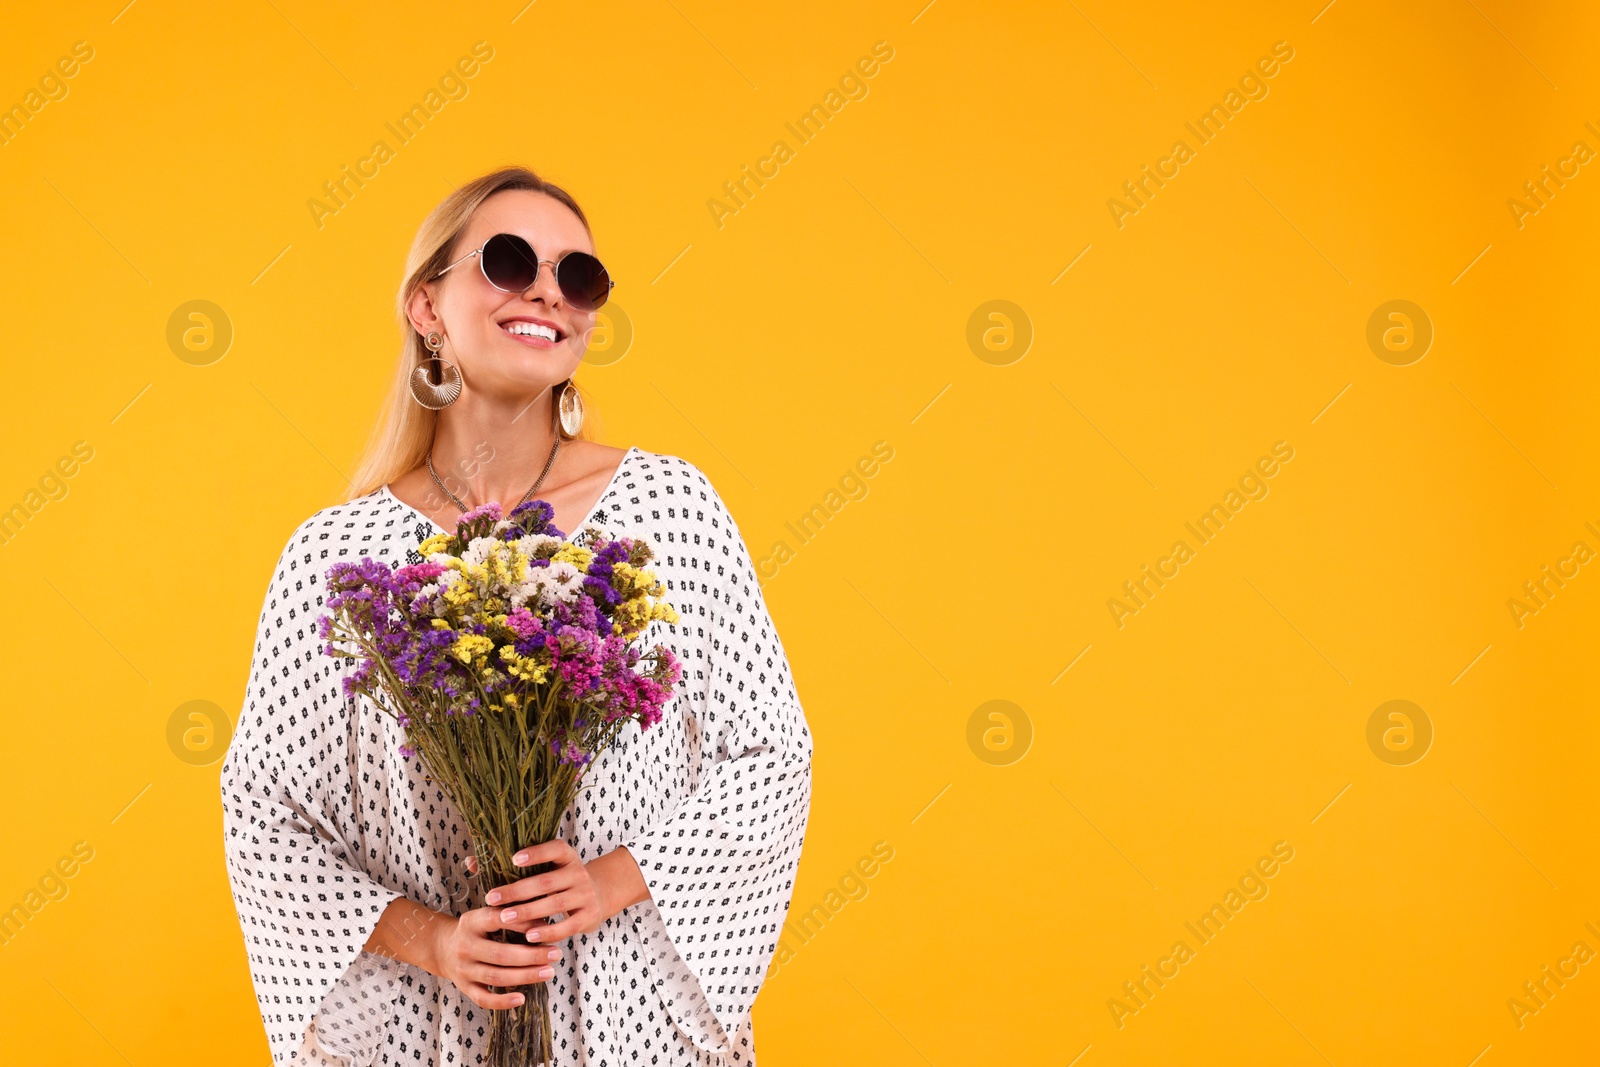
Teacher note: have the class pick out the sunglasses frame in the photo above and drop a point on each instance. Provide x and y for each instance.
(555, 267)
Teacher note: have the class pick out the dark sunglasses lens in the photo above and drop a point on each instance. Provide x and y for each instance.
(584, 282)
(509, 262)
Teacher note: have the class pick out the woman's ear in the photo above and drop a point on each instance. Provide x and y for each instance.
(421, 311)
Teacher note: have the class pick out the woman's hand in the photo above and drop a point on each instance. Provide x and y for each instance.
(587, 894)
(464, 953)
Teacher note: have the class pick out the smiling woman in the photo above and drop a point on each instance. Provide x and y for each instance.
(477, 365)
(673, 868)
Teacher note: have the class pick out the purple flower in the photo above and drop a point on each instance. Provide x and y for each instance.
(490, 511)
(531, 517)
(569, 751)
(419, 573)
(523, 623)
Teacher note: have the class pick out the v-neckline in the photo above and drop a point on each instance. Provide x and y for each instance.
(605, 493)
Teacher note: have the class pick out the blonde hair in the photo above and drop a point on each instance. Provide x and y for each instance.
(403, 433)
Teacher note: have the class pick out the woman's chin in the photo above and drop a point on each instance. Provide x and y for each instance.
(506, 384)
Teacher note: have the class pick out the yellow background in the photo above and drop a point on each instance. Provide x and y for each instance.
(829, 313)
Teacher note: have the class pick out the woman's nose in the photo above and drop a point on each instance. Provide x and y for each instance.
(544, 284)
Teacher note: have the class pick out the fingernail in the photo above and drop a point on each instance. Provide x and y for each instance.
(546, 972)
(554, 955)
(521, 998)
(532, 935)
(494, 898)
(520, 859)
(507, 916)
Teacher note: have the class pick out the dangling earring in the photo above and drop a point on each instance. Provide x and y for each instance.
(569, 405)
(424, 390)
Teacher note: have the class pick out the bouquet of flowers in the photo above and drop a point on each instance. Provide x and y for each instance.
(508, 657)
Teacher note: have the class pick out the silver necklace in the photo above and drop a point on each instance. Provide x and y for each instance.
(555, 448)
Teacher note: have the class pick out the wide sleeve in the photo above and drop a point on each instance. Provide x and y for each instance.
(292, 834)
(720, 866)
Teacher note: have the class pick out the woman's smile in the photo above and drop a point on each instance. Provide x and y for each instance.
(533, 332)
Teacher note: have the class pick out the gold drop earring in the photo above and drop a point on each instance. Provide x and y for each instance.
(569, 408)
(431, 394)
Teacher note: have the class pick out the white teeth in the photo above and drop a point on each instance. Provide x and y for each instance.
(530, 329)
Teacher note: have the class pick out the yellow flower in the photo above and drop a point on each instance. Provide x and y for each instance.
(576, 555)
(501, 569)
(524, 667)
(469, 647)
(439, 542)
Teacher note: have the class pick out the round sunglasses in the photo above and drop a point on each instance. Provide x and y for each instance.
(511, 265)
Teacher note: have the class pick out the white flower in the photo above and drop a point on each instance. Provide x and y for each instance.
(562, 573)
(529, 542)
(545, 585)
(479, 550)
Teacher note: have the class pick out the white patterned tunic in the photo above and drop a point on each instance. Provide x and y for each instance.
(325, 822)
